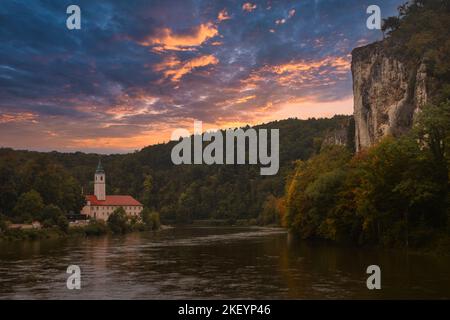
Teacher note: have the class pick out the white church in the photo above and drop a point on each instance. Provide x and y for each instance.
(99, 205)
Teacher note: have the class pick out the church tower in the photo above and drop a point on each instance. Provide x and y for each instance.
(99, 182)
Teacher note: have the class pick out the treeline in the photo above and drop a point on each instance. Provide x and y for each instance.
(394, 193)
(118, 223)
(31, 181)
(37, 188)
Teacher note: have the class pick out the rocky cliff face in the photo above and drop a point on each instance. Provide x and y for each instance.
(387, 94)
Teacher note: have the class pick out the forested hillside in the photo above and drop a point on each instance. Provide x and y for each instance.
(31, 180)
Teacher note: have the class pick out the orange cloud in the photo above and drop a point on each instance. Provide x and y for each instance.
(223, 15)
(167, 40)
(300, 71)
(232, 102)
(294, 107)
(133, 107)
(249, 7)
(175, 69)
(125, 144)
(18, 117)
(245, 99)
(309, 107)
(170, 62)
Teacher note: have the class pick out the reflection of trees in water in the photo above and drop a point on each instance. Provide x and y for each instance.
(214, 262)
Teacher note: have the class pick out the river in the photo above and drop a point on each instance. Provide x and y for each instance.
(214, 262)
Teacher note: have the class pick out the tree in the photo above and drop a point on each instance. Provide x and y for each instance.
(53, 216)
(151, 219)
(29, 206)
(8, 186)
(63, 223)
(433, 129)
(390, 24)
(312, 192)
(118, 221)
(148, 187)
(399, 193)
(271, 212)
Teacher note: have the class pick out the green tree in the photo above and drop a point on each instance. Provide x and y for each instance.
(9, 179)
(148, 188)
(118, 221)
(433, 129)
(28, 206)
(53, 216)
(150, 219)
(312, 191)
(390, 24)
(399, 192)
(270, 213)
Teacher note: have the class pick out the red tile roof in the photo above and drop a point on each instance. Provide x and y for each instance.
(113, 201)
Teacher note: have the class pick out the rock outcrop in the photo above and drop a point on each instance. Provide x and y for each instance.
(388, 92)
(342, 134)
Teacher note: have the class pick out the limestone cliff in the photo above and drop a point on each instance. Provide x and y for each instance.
(388, 92)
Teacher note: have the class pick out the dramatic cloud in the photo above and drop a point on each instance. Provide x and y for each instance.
(175, 69)
(17, 117)
(137, 70)
(165, 39)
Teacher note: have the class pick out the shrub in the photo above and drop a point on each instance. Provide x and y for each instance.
(118, 221)
(53, 216)
(28, 207)
(95, 228)
(150, 219)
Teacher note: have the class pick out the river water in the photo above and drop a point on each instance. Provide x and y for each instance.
(214, 262)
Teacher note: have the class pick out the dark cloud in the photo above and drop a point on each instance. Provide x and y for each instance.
(138, 66)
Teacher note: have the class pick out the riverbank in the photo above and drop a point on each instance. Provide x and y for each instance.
(92, 229)
(99, 228)
(439, 247)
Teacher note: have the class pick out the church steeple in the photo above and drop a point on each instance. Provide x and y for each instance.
(99, 182)
(99, 166)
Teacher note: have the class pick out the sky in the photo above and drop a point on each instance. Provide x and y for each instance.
(137, 70)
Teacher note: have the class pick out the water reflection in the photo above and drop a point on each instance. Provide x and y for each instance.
(205, 262)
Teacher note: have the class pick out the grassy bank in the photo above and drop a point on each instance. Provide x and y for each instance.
(93, 228)
(118, 223)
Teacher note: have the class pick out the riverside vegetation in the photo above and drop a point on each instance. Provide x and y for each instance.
(396, 193)
(117, 223)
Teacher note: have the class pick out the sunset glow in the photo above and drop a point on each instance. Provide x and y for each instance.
(134, 73)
